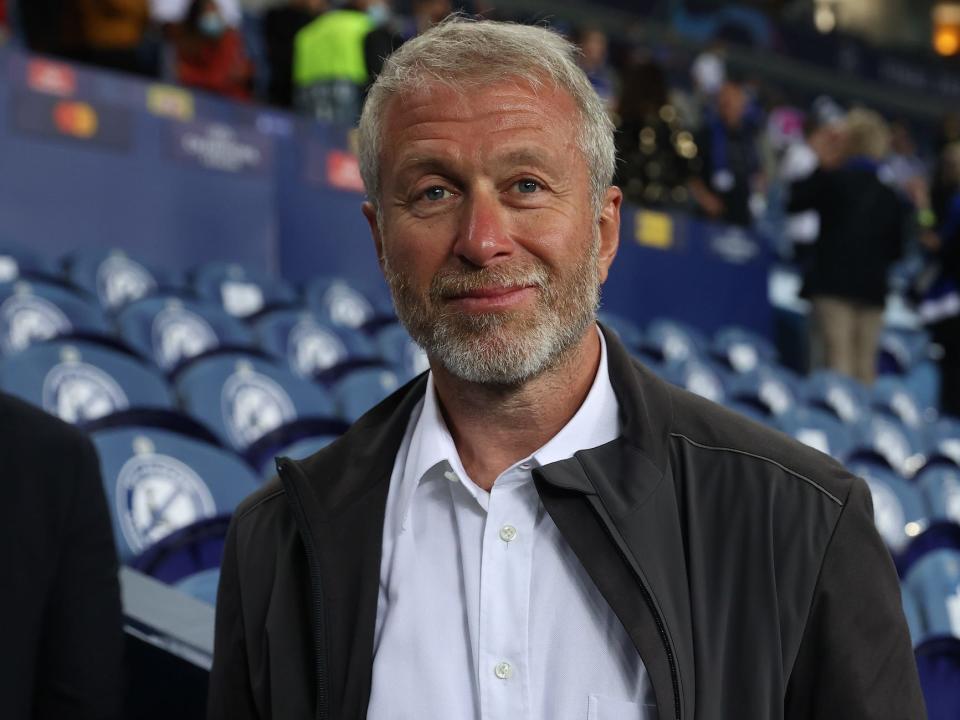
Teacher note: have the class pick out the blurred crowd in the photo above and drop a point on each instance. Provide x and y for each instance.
(842, 193)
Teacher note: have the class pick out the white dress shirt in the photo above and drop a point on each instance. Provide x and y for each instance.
(484, 611)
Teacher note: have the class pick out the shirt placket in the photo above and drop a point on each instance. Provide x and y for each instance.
(505, 572)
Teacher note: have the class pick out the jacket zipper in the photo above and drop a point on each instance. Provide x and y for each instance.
(648, 598)
(316, 595)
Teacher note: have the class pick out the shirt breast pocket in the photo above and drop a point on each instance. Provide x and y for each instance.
(601, 707)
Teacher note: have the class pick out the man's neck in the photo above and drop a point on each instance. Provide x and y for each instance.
(493, 427)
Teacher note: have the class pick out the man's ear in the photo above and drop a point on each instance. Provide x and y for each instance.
(609, 229)
(370, 213)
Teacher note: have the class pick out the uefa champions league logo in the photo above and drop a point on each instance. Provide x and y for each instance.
(311, 348)
(121, 280)
(78, 392)
(347, 307)
(179, 334)
(156, 495)
(26, 319)
(253, 405)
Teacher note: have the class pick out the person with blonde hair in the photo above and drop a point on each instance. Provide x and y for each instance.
(863, 228)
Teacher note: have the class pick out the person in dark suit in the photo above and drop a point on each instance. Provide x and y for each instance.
(60, 615)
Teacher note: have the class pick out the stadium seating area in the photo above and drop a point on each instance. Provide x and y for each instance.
(190, 385)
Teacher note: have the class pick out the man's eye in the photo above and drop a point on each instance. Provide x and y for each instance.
(527, 186)
(436, 193)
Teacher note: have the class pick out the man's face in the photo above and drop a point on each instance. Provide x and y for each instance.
(488, 237)
(732, 104)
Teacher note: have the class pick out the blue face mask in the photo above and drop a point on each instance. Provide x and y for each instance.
(212, 25)
(378, 14)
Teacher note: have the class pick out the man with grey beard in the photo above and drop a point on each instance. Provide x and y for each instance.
(538, 527)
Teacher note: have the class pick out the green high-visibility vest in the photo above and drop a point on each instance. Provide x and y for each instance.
(331, 48)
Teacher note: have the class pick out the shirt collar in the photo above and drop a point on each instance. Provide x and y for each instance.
(432, 453)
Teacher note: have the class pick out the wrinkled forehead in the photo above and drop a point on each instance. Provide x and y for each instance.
(478, 114)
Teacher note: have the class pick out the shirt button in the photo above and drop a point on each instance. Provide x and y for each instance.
(525, 466)
(450, 475)
(503, 670)
(508, 533)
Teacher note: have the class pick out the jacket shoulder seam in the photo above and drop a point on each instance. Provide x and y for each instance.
(789, 471)
(261, 501)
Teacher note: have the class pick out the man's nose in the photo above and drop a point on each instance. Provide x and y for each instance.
(483, 236)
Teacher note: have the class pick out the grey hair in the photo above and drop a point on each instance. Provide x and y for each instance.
(460, 53)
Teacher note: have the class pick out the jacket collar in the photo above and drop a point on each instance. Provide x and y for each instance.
(622, 481)
(627, 483)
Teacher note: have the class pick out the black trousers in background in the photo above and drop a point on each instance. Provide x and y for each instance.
(946, 333)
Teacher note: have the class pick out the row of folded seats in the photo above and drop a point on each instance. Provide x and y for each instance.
(191, 384)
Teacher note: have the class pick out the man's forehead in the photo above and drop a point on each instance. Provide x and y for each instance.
(452, 100)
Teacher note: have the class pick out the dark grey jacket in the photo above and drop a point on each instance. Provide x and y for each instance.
(744, 566)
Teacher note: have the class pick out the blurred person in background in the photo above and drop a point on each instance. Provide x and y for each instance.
(115, 34)
(654, 149)
(210, 54)
(43, 23)
(595, 64)
(939, 285)
(280, 26)
(337, 56)
(59, 593)
(864, 224)
(729, 162)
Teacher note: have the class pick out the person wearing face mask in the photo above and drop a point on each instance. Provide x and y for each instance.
(338, 55)
(210, 54)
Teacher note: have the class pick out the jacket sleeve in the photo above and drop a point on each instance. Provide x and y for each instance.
(230, 693)
(855, 659)
(81, 650)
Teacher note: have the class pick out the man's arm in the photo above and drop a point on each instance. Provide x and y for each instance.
(855, 660)
(230, 695)
(81, 652)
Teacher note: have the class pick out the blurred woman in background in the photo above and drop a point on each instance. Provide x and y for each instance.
(210, 54)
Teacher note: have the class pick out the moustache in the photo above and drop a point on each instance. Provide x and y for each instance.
(454, 283)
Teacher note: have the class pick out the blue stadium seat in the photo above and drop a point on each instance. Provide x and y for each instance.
(892, 396)
(911, 611)
(242, 398)
(818, 429)
(35, 311)
(902, 349)
(158, 482)
(898, 507)
(241, 291)
(938, 661)
(885, 438)
(943, 438)
(17, 261)
(774, 388)
(399, 350)
(342, 303)
(844, 397)
(742, 351)
(940, 485)
(934, 580)
(699, 377)
(628, 332)
(188, 558)
(80, 381)
(669, 341)
(172, 330)
(360, 390)
(311, 347)
(116, 279)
